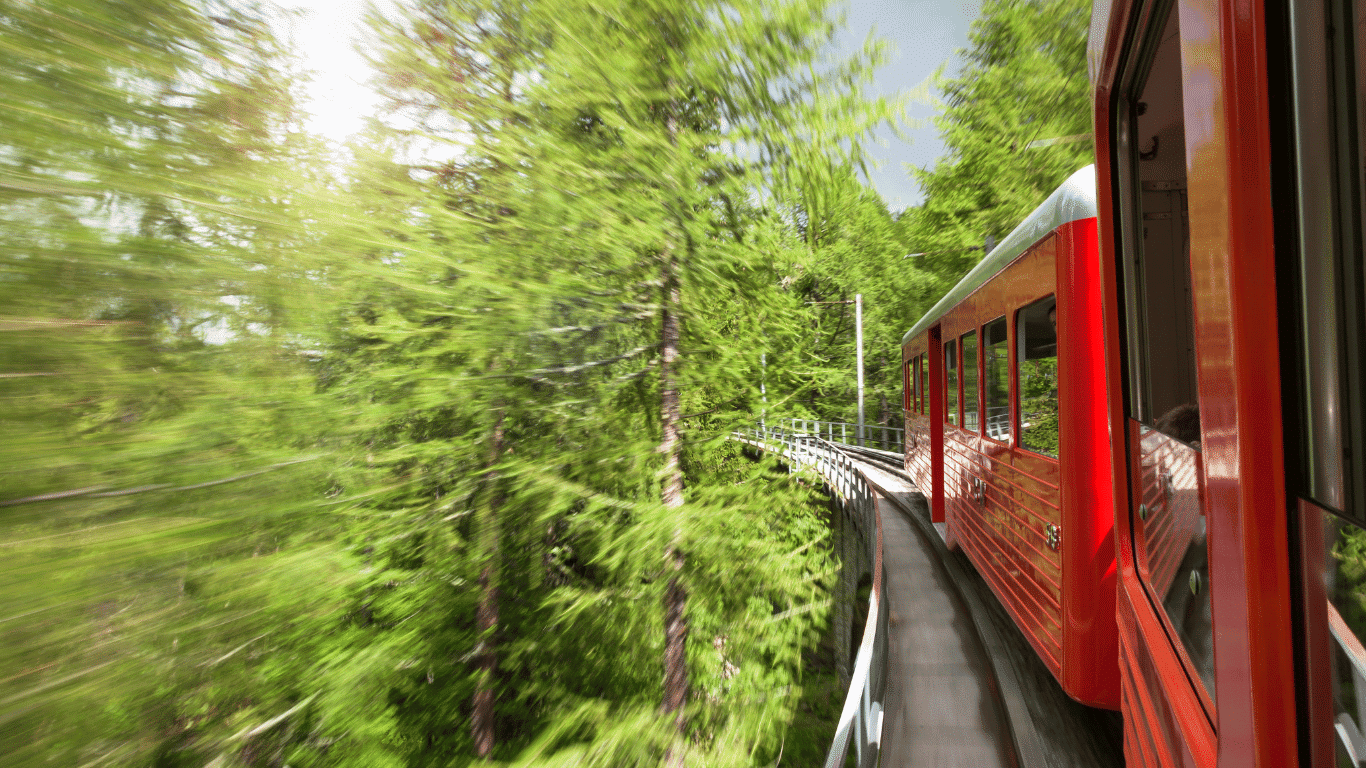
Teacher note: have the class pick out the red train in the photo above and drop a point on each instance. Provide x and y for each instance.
(1143, 415)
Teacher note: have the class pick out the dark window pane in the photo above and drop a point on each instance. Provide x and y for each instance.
(924, 387)
(970, 381)
(996, 388)
(951, 381)
(1036, 338)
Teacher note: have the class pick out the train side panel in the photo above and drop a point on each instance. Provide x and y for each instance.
(1090, 635)
(1003, 524)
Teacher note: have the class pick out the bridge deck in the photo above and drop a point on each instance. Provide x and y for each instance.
(941, 702)
(964, 686)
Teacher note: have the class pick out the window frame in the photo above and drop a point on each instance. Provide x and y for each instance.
(1016, 389)
(1010, 381)
(952, 409)
(976, 333)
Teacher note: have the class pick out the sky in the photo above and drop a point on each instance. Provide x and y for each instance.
(924, 34)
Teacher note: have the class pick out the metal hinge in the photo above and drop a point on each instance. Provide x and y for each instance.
(1053, 536)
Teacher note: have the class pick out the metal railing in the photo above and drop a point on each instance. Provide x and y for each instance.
(874, 435)
(998, 423)
(1348, 727)
(860, 722)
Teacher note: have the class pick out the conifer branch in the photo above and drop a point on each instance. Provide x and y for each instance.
(98, 492)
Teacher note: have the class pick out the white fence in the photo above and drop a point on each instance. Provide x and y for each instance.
(874, 435)
(860, 722)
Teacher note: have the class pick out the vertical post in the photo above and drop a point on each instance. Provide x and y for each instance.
(858, 333)
(844, 435)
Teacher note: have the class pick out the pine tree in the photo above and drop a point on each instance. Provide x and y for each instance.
(1023, 80)
(586, 284)
(158, 434)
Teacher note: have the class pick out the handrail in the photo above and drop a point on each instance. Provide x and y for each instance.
(890, 438)
(860, 719)
(1348, 728)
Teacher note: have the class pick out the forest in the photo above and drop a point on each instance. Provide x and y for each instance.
(414, 453)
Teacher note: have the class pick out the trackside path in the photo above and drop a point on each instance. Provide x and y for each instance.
(1025, 710)
(942, 709)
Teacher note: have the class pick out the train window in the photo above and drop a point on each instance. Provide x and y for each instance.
(924, 378)
(1330, 166)
(913, 379)
(1036, 339)
(908, 387)
(1330, 388)
(951, 381)
(916, 385)
(970, 381)
(1156, 254)
(996, 387)
(1163, 425)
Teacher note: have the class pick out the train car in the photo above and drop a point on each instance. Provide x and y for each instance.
(1222, 329)
(1006, 409)
(1229, 138)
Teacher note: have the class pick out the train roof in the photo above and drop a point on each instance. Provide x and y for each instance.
(1075, 199)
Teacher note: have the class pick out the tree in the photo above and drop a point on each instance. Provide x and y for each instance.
(1023, 80)
(158, 435)
(585, 283)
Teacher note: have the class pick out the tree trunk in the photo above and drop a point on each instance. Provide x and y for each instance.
(486, 616)
(675, 596)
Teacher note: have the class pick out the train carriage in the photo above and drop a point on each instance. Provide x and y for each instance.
(1228, 147)
(1004, 377)
(1210, 391)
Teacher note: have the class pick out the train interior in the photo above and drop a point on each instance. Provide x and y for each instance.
(1157, 273)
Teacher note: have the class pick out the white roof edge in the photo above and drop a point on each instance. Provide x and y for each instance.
(1075, 199)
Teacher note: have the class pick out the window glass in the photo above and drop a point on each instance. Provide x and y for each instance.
(1333, 348)
(996, 387)
(1157, 278)
(908, 387)
(951, 381)
(1163, 428)
(970, 381)
(1036, 339)
(924, 386)
(915, 385)
(1345, 577)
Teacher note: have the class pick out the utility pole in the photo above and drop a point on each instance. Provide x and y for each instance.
(858, 334)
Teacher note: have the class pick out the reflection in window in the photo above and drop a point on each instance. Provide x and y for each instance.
(951, 381)
(996, 368)
(908, 401)
(1036, 337)
(924, 388)
(1346, 582)
(914, 375)
(1171, 530)
(970, 381)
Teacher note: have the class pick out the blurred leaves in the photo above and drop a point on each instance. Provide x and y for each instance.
(271, 417)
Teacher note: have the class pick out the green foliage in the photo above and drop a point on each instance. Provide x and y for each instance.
(273, 439)
(501, 358)
(1023, 79)
(159, 443)
(1039, 405)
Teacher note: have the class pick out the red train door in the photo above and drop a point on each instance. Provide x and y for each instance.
(1188, 265)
